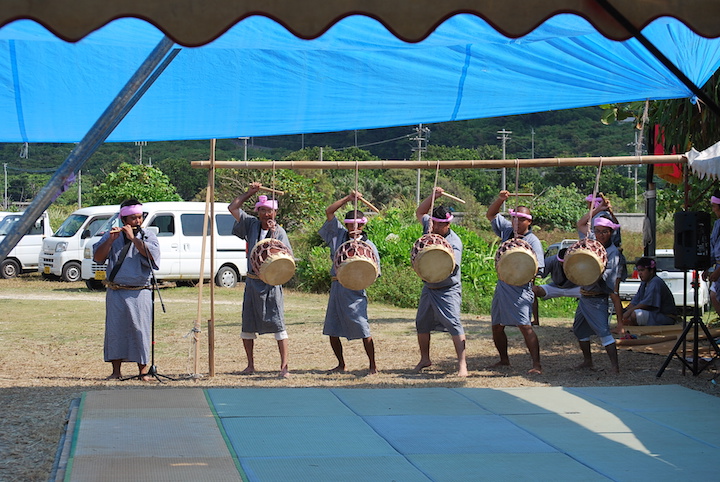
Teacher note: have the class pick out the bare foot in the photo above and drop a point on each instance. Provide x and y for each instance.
(373, 371)
(618, 330)
(284, 373)
(248, 371)
(462, 373)
(144, 377)
(423, 364)
(499, 364)
(337, 369)
(535, 371)
(584, 366)
(114, 376)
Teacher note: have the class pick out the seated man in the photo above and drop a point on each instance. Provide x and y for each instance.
(653, 304)
(559, 284)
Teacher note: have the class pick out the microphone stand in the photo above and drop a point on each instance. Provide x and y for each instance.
(152, 371)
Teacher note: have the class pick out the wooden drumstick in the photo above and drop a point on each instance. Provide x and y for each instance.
(369, 204)
(453, 197)
(612, 214)
(267, 189)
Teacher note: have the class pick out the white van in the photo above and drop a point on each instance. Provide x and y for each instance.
(179, 231)
(62, 252)
(23, 258)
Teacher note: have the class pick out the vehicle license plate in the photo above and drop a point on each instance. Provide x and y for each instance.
(46, 269)
(100, 275)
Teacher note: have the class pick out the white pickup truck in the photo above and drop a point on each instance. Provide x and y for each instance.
(675, 279)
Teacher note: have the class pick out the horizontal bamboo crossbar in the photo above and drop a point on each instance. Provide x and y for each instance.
(470, 164)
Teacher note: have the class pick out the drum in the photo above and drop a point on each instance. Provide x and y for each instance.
(356, 266)
(585, 262)
(432, 258)
(272, 262)
(515, 262)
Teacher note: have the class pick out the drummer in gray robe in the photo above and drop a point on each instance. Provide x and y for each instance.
(263, 309)
(346, 314)
(439, 305)
(512, 305)
(592, 314)
(131, 254)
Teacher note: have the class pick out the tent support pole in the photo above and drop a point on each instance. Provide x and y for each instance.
(627, 25)
(130, 94)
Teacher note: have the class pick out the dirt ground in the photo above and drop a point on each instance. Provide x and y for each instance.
(52, 336)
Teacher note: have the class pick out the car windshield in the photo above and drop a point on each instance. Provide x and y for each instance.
(666, 263)
(7, 223)
(70, 226)
(113, 222)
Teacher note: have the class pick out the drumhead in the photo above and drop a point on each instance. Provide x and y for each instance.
(434, 263)
(517, 267)
(277, 270)
(357, 273)
(583, 267)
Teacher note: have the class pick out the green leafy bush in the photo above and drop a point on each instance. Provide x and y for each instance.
(313, 270)
(398, 286)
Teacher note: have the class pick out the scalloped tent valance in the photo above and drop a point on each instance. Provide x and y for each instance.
(257, 79)
(193, 23)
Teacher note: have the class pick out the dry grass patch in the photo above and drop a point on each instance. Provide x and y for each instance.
(52, 334)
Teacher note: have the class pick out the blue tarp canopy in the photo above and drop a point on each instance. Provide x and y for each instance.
(258, 79)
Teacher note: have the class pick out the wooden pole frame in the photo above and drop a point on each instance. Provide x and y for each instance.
(212, 165)
(466, 164)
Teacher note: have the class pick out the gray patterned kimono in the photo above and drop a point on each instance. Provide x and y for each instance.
(263, 308)
(512, 305)
(439, 305)
(346, 314)
(128, 312)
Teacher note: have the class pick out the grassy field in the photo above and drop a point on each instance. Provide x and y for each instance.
(52, 335)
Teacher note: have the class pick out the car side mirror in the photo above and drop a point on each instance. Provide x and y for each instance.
(85, 234)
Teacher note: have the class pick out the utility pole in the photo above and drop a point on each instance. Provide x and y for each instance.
(532, 143)
(79, 182)
(504, 136)
(245, 139)
(421, 139)
(140, 144)
(5, 199)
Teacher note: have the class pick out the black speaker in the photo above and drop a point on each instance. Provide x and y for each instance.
(692, 240)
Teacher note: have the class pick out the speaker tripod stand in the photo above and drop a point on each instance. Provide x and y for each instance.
(695, 324)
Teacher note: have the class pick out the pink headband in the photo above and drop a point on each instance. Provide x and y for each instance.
(519, 215)
(597, 200)
(362, 220)
(448, 217)
(128, 210)
(605, 222)
(642, 265)
(715, 200)
(264, 202)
